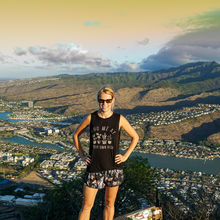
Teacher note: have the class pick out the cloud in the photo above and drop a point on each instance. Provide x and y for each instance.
(144, 42)
(36, 50)
(202, 43)
(19, 51)
(1, 58)
(208, 19)
(92, 23)
(67, 57)
(68, 54)
(5, 59)
(64, 57)
(128, 67)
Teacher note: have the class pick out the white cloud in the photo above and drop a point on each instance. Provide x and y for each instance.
(36, 50)
(128, 67)
(1, 58)
(5, 59)
(62, 58)
(19, 51)
(68, 54)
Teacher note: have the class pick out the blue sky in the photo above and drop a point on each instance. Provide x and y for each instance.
(45, 38)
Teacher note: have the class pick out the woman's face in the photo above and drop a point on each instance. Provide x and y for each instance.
(105, 102)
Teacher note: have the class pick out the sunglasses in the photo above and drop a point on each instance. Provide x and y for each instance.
(101, 101)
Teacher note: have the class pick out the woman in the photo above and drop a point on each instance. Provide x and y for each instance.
(104, 162)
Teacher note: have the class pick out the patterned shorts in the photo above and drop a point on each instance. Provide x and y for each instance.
(100, 180)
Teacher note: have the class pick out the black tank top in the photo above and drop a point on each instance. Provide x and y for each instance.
(104, 142)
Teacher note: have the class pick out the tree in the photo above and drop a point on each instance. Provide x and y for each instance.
(140, 182)
(64, 201)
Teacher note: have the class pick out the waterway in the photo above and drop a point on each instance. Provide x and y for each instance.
(175, 163)
(208, 166)
(22, 140)
(4, 116)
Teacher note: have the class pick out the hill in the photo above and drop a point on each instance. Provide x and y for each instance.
(192, 130)
(144, 91)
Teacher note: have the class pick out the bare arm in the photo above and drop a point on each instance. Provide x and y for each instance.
(133, 134)
(85, 123)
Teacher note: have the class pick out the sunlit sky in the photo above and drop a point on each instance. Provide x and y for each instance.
(51, 37)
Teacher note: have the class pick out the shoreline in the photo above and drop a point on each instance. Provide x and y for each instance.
(167, 155)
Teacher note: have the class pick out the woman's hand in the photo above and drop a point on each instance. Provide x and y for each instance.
(86, 159)
(120, 158)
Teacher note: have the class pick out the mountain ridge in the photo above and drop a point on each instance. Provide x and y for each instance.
(77, 93)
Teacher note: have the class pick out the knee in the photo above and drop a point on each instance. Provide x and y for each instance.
(87, 206)
(109, 203)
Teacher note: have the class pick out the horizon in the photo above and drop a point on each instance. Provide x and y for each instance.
(41, 39)
(69, 74)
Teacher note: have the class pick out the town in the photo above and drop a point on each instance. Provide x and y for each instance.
(178, 149)
(170, 117)
(190, 191)
(184, 189)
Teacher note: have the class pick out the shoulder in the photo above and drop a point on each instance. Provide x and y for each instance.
(122, 118)
(120, 115)
(95, 113)
(87, 119)
(83, 125)
(123, 121)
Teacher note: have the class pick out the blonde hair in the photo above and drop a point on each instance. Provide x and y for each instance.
(106, 90)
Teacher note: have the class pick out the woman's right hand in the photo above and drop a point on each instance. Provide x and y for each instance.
(86, 159)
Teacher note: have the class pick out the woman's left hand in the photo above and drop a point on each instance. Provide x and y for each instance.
(119, 158)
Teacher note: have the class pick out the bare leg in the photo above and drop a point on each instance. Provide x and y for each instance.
(89, 198)
(110, 196)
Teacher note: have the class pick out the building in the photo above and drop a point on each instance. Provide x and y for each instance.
(48, 131)
(29, 104)
(26, 202)
(8, 199)
(56, 130)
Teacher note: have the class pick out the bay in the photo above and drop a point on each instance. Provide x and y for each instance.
(175, 163)
(4, 115)
(158, 161)
(21, 140)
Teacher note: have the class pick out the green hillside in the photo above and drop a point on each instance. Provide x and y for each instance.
(189, 78)
(180, 86)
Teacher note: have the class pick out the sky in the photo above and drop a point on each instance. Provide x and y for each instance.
(51, 37)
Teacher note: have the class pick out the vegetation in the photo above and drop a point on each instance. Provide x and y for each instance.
(65, 200)
(6, 168)
(209, 144)
(140, 182)
(190, 78)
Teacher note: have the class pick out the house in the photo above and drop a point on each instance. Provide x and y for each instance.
(47, 163)
(48, 131)
(26, 202)
(7, 199)
(56, 130)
